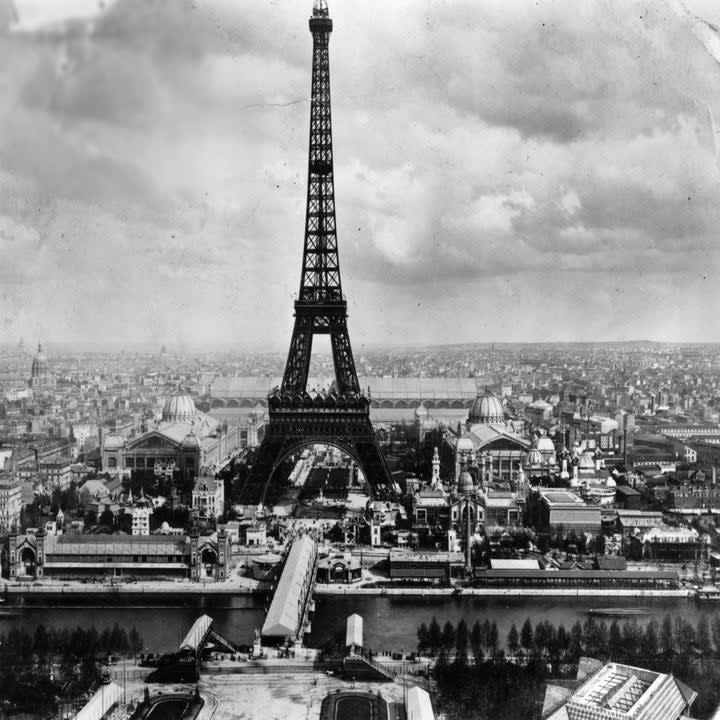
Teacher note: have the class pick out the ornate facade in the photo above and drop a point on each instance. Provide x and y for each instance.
(489, 447)
(183, 439)
(194, 556)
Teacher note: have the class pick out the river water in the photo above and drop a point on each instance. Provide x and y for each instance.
(390, 622)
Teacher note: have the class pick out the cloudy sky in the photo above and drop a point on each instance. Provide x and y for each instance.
(505, 171)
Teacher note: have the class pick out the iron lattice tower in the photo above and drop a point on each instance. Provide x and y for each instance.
(342, 416)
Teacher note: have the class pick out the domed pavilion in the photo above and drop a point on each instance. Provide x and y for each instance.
(488, 446)
(181, 438)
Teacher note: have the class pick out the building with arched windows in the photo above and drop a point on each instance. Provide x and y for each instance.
(67, 556)
(488, 446)
(183, 438)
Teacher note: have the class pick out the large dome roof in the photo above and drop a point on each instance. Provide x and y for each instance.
(39, 364)
(486, 409)
(179, 407)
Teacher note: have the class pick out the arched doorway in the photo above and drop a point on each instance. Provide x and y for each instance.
(28, 562)
(208, 562)
(316, 469)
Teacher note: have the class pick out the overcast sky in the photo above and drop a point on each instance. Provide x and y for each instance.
(505, 171)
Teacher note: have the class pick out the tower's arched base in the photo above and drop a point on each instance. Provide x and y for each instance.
(292, 428)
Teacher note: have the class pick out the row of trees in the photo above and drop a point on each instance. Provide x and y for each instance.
(628, 640)
(542, 651)
(21, 647)
(39, 668)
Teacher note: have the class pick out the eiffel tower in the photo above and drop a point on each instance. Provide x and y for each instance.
(340, 417)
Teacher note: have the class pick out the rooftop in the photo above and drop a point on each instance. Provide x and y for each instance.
(561, 497)
(622, 691)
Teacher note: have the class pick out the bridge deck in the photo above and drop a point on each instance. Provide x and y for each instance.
(287, 610)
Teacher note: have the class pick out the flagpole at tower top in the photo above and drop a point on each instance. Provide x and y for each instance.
(320, 8)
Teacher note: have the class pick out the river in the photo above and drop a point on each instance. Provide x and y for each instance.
(390, 622)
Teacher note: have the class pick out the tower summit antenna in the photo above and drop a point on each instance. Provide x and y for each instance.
(320, 8)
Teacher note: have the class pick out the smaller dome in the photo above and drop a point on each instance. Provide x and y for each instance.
(421, 411)
(610, 482)
(465, 482)
(464, 444)
(535, 457)
(190, 441)
(113, 441)
(545, 444)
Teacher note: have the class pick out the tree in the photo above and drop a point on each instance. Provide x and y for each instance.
(576, 640)
(715, 626)
(702, 635)
(462, 640)
(513, 639)
(526, 635)
(614, 639)
(649, 643)
(493, 637)
(107, 518)
(136, 642)
(423, 637)
(41, 642)
(486, 633)
(631, 638)
(666, 636)
(434, 636)
(448, 637)
(563, 641)
(119, 640)
(90, 518)
(540, 637)
(476, 641)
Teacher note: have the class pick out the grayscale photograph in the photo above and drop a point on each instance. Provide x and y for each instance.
(469, 473)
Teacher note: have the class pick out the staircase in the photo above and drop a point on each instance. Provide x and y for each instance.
(365, 670)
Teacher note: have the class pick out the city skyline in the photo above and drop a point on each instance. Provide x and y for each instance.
(501, 176)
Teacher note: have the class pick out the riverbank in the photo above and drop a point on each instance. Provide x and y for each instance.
(263, 589)
(502, 592)
(128, 590)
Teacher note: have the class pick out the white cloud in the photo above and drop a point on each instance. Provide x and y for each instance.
(493, 162)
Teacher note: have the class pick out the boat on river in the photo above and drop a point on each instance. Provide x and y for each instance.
(617, 611)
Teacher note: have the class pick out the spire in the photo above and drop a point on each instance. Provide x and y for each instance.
(320, 8)
(435, 468)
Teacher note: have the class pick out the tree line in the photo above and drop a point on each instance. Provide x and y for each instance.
(20, 647)
(41, 668)
(625, 641)
(481, 675)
